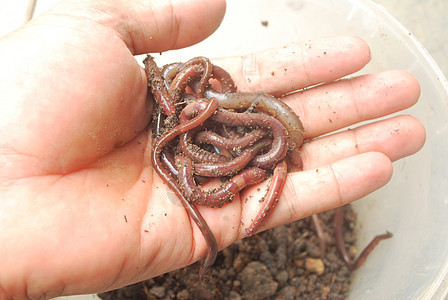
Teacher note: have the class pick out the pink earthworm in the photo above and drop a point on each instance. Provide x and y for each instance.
(271, 105)
(320, 234)
(279, 144)
(210, 137)
(339, 235)
(218, 196)
(224, 78)
(169, 163)
(169, 72)
(159, 91)
(212, 246)
(167, 160)
(233, 166)
(224, 152)
(181, 85)
(196, 153)
(271, 198)
(198, 67)
(229, 132)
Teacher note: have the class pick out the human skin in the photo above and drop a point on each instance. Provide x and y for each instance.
(81, 210)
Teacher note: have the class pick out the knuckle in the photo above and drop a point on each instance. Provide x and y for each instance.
(251, 69)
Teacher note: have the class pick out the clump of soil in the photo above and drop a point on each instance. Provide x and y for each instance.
(281, 263)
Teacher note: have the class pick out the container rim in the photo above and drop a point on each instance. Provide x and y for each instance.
(439, 288)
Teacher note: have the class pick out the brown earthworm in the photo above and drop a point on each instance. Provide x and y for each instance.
(196, 153)
(339, 235)
(260, 139)
(210, 137)
(212, 246)
(224, 78)
(279, 144)
(271, 198)
(181, 81)
(159, 91)
(198, 67)
(168, 163)
(271, 105)
(218, 196)
(181, 85)
(169, 72)
(229, 132)
(224, 152)
(231, 167)
(320, 234)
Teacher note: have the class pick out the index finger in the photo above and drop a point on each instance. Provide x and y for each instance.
(279, 71)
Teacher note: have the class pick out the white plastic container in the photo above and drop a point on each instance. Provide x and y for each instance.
(414, 205)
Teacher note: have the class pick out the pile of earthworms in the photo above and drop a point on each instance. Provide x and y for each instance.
(204, 129)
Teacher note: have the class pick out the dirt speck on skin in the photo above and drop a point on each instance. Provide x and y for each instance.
(281, 263)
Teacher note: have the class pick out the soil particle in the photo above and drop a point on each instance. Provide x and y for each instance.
(240, 261)
(183, 295)
(158, 291)
(234, 296)
(257, 282)
(287, 293)
(281, 263)
(282, 277)
(314, 265)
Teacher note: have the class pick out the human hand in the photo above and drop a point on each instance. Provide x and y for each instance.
(82, 210)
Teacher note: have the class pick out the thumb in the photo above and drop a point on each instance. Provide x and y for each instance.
(156, 25)
(81, 74)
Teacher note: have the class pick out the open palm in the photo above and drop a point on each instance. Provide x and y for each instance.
(81, 209)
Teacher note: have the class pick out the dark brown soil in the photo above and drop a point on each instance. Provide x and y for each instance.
(281, 263)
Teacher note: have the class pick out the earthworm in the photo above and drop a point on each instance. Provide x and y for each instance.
(185, 85)
(231, 167)
(194, 68)
(320, 234)
(159, 91)
(339, 235)
(196, 153)
(271, 198)
(218, 196)
(207, 69)
(212, 246)
(169, 72)
(181, 81)
(266, 145)
(224, 152)
(207, 110)
(168, 162)
(271, 105)
(229, 132)
(210, 137)
(279, 144)
(196, 108)
(224, 78)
